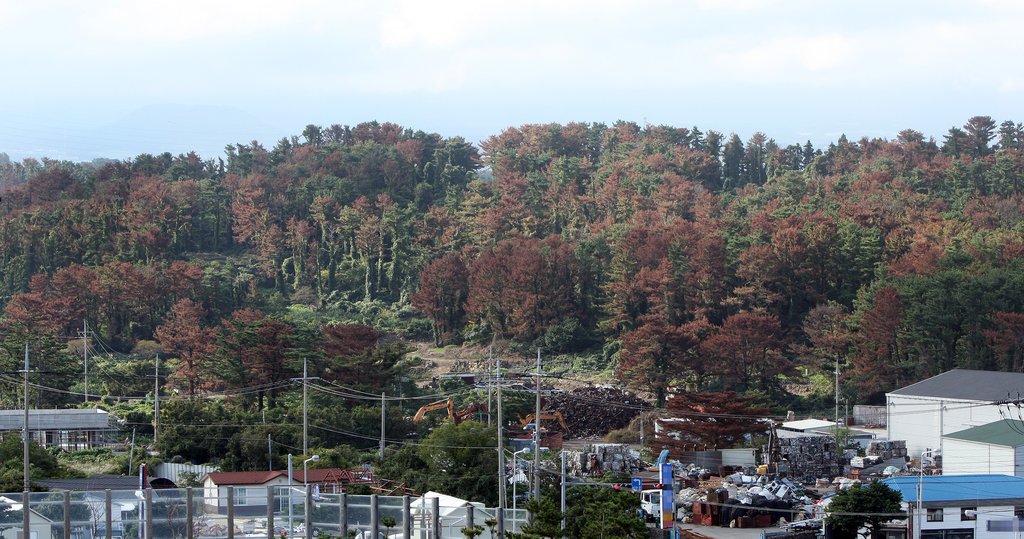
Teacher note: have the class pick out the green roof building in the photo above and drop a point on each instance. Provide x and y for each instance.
(993, 448)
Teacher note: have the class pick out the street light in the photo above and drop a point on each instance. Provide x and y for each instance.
(515, 479)
(920, 492)
(305, 482)
(290, 482)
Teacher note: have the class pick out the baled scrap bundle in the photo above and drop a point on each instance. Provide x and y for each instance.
(887, 449)
(598, 459)
(812, 456)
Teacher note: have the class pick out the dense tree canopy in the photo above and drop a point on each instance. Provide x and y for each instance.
(670, 257)
(862, 507)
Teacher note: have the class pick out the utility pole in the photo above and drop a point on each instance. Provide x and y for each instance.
(25, 511)
(305, 405)
(85, 355)
(641, 417)
(270, 454)
(25, 438)
(837, 395)
(490, 386)
(536, 436)
(305, 410)
(383, 399)
(156, 400)
(563, 489)
(501, 457)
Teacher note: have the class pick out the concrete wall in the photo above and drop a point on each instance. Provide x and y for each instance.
(869, 415)
(173, 471)
(739, 457)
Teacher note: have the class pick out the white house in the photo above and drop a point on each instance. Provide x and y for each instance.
(39, 525)
(994, 448)
(950, 402)
(977, 506)
(250, 490)
(452, 516)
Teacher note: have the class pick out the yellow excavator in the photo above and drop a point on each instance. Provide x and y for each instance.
(436, 405)
(448, 404)
(546, 416)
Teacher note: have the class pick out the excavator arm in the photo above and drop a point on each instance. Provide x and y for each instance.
(546, 416)
(436, 405)
(468, 411)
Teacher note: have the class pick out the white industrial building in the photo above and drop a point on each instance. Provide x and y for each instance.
(70, 429)
(995, 448)
(953, 401)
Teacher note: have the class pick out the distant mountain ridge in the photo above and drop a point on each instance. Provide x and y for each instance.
(174, 128)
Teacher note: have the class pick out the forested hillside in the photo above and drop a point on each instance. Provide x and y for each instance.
(671, 257)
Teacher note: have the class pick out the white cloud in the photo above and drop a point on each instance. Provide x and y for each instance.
(184, 20)
(811, 58)
(1003, 5)
(442, 23)
(736, 5)
(1011, 86)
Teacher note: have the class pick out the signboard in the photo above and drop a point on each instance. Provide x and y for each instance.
(638, 484)
(667, 497)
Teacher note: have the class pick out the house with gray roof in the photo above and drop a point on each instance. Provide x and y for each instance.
(954, 401)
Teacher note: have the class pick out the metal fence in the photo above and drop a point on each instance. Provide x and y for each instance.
(229, 513)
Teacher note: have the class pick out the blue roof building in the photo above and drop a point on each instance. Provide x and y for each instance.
(975, 506)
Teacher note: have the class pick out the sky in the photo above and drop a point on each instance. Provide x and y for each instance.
(114, 79)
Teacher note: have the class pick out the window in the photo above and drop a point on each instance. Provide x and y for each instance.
(242, 495)
(968, 513)
(948, 534)
(935, 515)
(1018, 512)
(959, 534)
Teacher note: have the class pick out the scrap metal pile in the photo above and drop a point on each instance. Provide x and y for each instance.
(745, 501)
(591, 412)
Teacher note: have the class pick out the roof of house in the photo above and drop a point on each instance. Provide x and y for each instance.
(333, 475)
(104, 482)
(316, 475)
(15, 505)
(245, 478)
(1008, 432)
(96, 482)
(966, 384)
(808, 424)
(975, 488)
(447, 504)
(787, 434)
